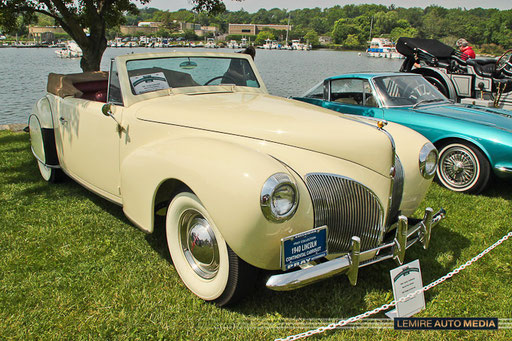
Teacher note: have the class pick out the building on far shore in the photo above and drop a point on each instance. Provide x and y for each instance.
(44, 33)
(254, 29)
(151, 28)
(324, 40)
(134, 30)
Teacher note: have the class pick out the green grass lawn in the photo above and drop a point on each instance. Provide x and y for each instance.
(73, 267)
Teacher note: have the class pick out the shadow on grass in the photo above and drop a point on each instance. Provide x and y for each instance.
(14, 150)
(317, 300)
(157, 239)
(9, 137)
(500, 188)
(27, 173)
(24, 172)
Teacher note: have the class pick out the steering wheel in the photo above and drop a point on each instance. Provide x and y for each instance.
(504, 61)
(218, 77)
(417, 91)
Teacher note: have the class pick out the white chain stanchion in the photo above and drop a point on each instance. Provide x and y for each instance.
(403, 299)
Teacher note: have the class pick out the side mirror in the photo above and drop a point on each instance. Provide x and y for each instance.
(107, 109)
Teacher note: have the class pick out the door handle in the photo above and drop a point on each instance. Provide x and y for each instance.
(62, 120)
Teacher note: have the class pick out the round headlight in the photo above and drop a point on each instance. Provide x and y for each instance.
(428, 160)
(279, 198)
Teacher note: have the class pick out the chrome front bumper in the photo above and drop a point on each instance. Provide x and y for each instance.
(349, 264)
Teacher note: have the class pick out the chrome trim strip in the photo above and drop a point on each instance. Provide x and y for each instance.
(504, 170)
(300, 278)
(38, 159)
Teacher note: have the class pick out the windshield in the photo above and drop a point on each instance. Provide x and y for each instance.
(148, 75)
(404, 90)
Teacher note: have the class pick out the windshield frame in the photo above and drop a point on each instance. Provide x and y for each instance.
(386, 103)
(129, 98)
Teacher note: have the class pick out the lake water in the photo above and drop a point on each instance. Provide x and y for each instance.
(24, 72)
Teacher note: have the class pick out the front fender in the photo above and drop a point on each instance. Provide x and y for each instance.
(227, 178)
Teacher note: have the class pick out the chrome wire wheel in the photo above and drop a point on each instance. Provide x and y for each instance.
(463, 168)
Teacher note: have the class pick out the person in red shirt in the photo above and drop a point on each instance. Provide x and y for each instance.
(465, 49)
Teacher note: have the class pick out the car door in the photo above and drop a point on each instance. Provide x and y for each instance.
(352, 96)
(89, 144)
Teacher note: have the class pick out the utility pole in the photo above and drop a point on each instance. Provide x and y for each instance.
(287, 29)
(371, 26)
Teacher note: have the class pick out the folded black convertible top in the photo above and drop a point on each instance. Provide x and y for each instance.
(406, 47)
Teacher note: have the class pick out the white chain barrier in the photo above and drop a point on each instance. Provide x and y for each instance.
(394, 302)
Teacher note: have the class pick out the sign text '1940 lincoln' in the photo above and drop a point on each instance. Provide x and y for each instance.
(303, 247)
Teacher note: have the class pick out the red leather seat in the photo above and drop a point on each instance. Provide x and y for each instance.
(93, 91)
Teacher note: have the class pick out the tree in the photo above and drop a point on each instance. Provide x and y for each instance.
(264, 35)
(352, 42)
(312, 38)
(86, 21)
(343, 28)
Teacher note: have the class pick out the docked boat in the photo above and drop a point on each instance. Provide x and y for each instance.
(233, 44)
(383, 48)
(71, 50)
(268, 44)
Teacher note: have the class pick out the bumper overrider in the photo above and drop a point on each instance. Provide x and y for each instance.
(349, 264)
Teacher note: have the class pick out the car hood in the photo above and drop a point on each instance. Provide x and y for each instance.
(275, 119)
(500, 119)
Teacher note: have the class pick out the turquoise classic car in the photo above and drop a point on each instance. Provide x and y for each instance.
(474, 142)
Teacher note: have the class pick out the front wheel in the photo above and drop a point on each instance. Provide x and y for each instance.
(463, 168)
(205, 263)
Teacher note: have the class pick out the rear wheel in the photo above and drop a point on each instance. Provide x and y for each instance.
(438, 84)
(205, 263)
(463, 168)
(52, 175)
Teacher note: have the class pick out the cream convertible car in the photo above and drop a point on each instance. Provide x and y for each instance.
(249, 181)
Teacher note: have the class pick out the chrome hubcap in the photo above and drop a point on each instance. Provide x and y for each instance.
(459, 167)
(199, 244)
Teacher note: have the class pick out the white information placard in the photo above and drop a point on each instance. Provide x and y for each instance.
(406, 279)
(151, 82)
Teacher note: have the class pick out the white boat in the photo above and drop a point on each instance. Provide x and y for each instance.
(268, 44)
(243, 43)
(296, 45)
(383, 48)
(210, 43)
(233, 44)
(131, 44)
(72, 50)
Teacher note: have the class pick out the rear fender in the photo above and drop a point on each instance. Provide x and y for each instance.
(42, 136)
(441, 76)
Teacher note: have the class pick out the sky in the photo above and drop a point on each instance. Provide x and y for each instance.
(252, 6)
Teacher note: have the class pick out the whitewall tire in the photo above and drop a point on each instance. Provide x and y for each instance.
(49, 174)
(463, 168)
(203, 260)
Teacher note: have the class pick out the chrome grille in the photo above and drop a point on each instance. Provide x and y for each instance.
(348, 209)
(398, 189)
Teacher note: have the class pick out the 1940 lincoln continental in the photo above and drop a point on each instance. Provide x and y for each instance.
(246, 181)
